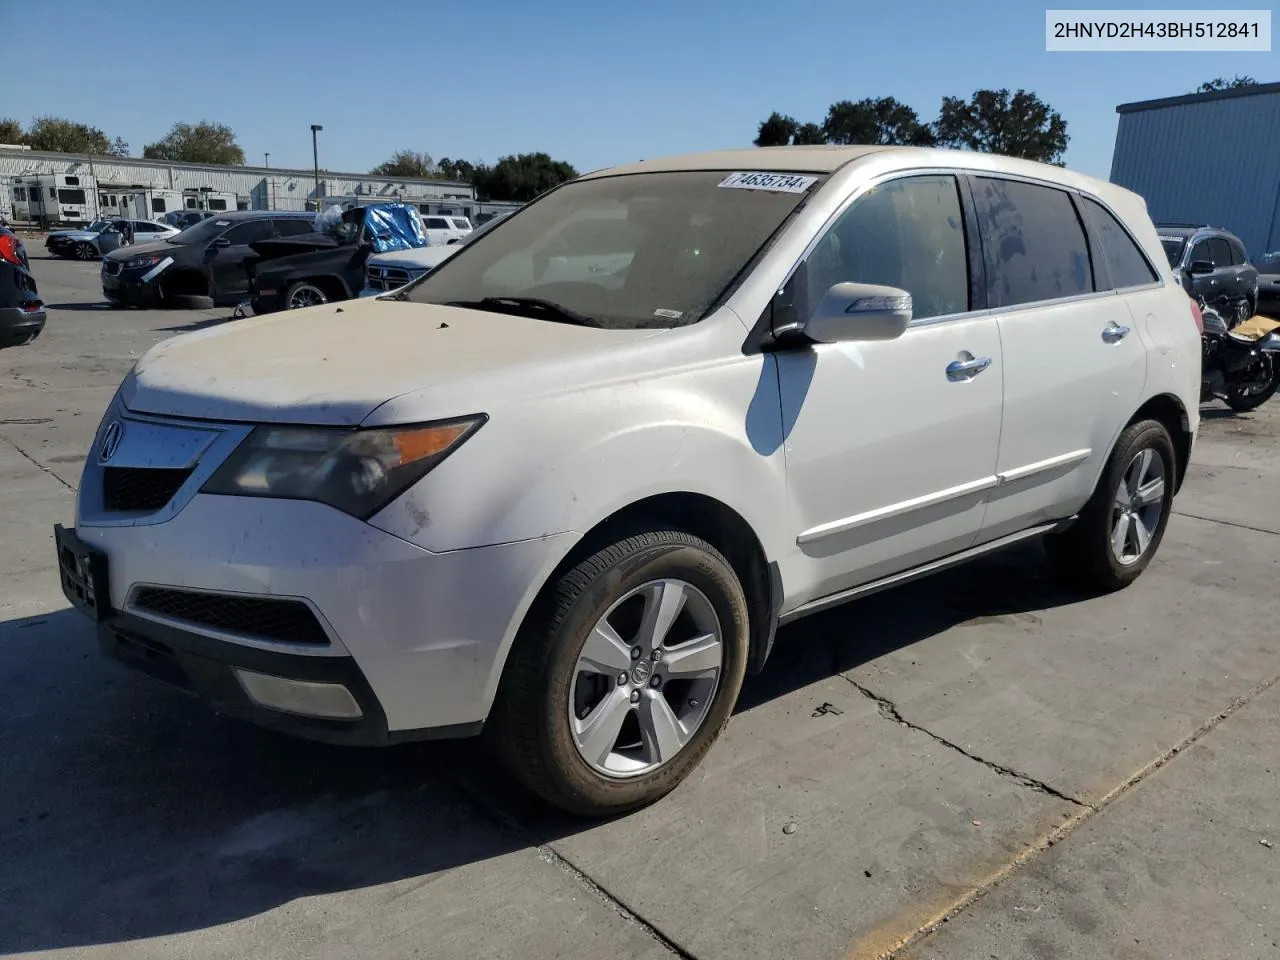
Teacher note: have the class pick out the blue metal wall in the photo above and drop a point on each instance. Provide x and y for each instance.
(1209, 160)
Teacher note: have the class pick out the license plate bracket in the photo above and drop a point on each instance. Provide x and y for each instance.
(83, 572)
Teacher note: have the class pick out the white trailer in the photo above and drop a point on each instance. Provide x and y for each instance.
(135, 201)
(206, 198)
(54, 198)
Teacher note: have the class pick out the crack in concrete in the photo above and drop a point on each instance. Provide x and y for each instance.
(40, 466)
(549, 855)
(1063, 830)
(1226, 523)
(889, 710)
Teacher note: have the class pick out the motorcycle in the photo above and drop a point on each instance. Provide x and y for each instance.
(1238, 364)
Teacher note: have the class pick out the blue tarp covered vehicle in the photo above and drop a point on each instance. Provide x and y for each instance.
(327, 263)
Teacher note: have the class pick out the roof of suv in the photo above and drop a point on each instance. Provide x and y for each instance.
(826, 158)
(257, 214)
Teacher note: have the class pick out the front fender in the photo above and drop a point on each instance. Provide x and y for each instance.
(568, 462)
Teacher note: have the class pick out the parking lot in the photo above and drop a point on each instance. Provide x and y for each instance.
(977, 765)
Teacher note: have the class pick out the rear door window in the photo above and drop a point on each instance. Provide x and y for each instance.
(1119, 259)
(1033, 243)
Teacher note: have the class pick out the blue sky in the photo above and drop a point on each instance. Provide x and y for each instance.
(591, 83)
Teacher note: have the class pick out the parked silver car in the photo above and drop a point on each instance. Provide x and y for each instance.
(103, 236)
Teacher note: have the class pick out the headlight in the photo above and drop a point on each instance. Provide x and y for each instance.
(138, 262)
(356, 471)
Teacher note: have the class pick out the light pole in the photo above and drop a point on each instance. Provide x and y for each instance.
(266, 162)
(315, 159)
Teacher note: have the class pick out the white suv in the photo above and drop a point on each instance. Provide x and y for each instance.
(573, 511)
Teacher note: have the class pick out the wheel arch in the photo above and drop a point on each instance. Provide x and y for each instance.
(1169, 411)
(711, 520)
(333, 286)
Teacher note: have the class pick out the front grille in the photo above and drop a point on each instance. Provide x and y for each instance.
(388, 278)
(285, 621)
(110, 267)
(133, 489)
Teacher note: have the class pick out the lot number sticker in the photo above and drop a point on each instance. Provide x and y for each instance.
(776, 182)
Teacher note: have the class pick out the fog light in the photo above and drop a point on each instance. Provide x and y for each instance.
(308, 698)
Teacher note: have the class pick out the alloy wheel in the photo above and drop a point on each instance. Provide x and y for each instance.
(307, 296)
(645, 678)
(1137, 507)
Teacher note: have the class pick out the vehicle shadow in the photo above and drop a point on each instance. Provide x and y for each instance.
(202, 324)
(100, 305)
(130, 811)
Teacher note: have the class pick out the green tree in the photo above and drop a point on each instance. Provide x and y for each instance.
(521, 177)
(995, 121)
(777, 131)
(11, 131)
(809, 134)
(881, 121)
(780, 130)
(463, 171)
(203, 142)
(66, 136)
(1219, 83)
(406, 163)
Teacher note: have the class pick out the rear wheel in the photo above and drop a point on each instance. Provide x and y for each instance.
(1264, 378)
(624, 674)
(1120, 528)
(304, 294)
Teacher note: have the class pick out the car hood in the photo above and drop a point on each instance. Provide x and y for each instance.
(337, 363)
(426, 257)
(141, 249)
(74, 235)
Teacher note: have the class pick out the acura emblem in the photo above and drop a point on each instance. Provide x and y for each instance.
(110, 440)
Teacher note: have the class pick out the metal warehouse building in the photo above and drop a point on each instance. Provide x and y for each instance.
(255, 188)
(1207, 158)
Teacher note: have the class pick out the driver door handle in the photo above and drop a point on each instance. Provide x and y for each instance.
(967, 369)
(1114, 333)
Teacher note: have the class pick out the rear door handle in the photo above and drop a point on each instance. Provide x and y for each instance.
(1115, 333)
(967, 369)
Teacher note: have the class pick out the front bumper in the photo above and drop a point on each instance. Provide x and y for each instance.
(418, 638)
(129, 288)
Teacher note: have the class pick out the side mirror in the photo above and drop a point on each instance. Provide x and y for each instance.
(859, 311)
(1198, 267)
(221, 242)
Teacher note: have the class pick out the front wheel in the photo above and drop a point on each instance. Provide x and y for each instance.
(624, 674)
(1253, 393)
(85, 251)
(303, 294)
(1120, 528)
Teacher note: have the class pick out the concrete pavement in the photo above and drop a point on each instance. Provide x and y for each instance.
(972, 720)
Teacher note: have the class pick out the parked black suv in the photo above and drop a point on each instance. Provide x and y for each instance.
(21, 311)
(1269, 284)
(203, 263)
(1212, 262)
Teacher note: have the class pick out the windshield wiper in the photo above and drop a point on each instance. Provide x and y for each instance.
(548, 308)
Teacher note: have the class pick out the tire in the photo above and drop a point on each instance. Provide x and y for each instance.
(547, 691)
(1083, 555)
(1242, 402)
(85, 251)
(307, 293)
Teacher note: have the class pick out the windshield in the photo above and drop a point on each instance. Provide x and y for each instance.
(1173, 247)
(202, 232)
(636, 250)
(97, 226)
